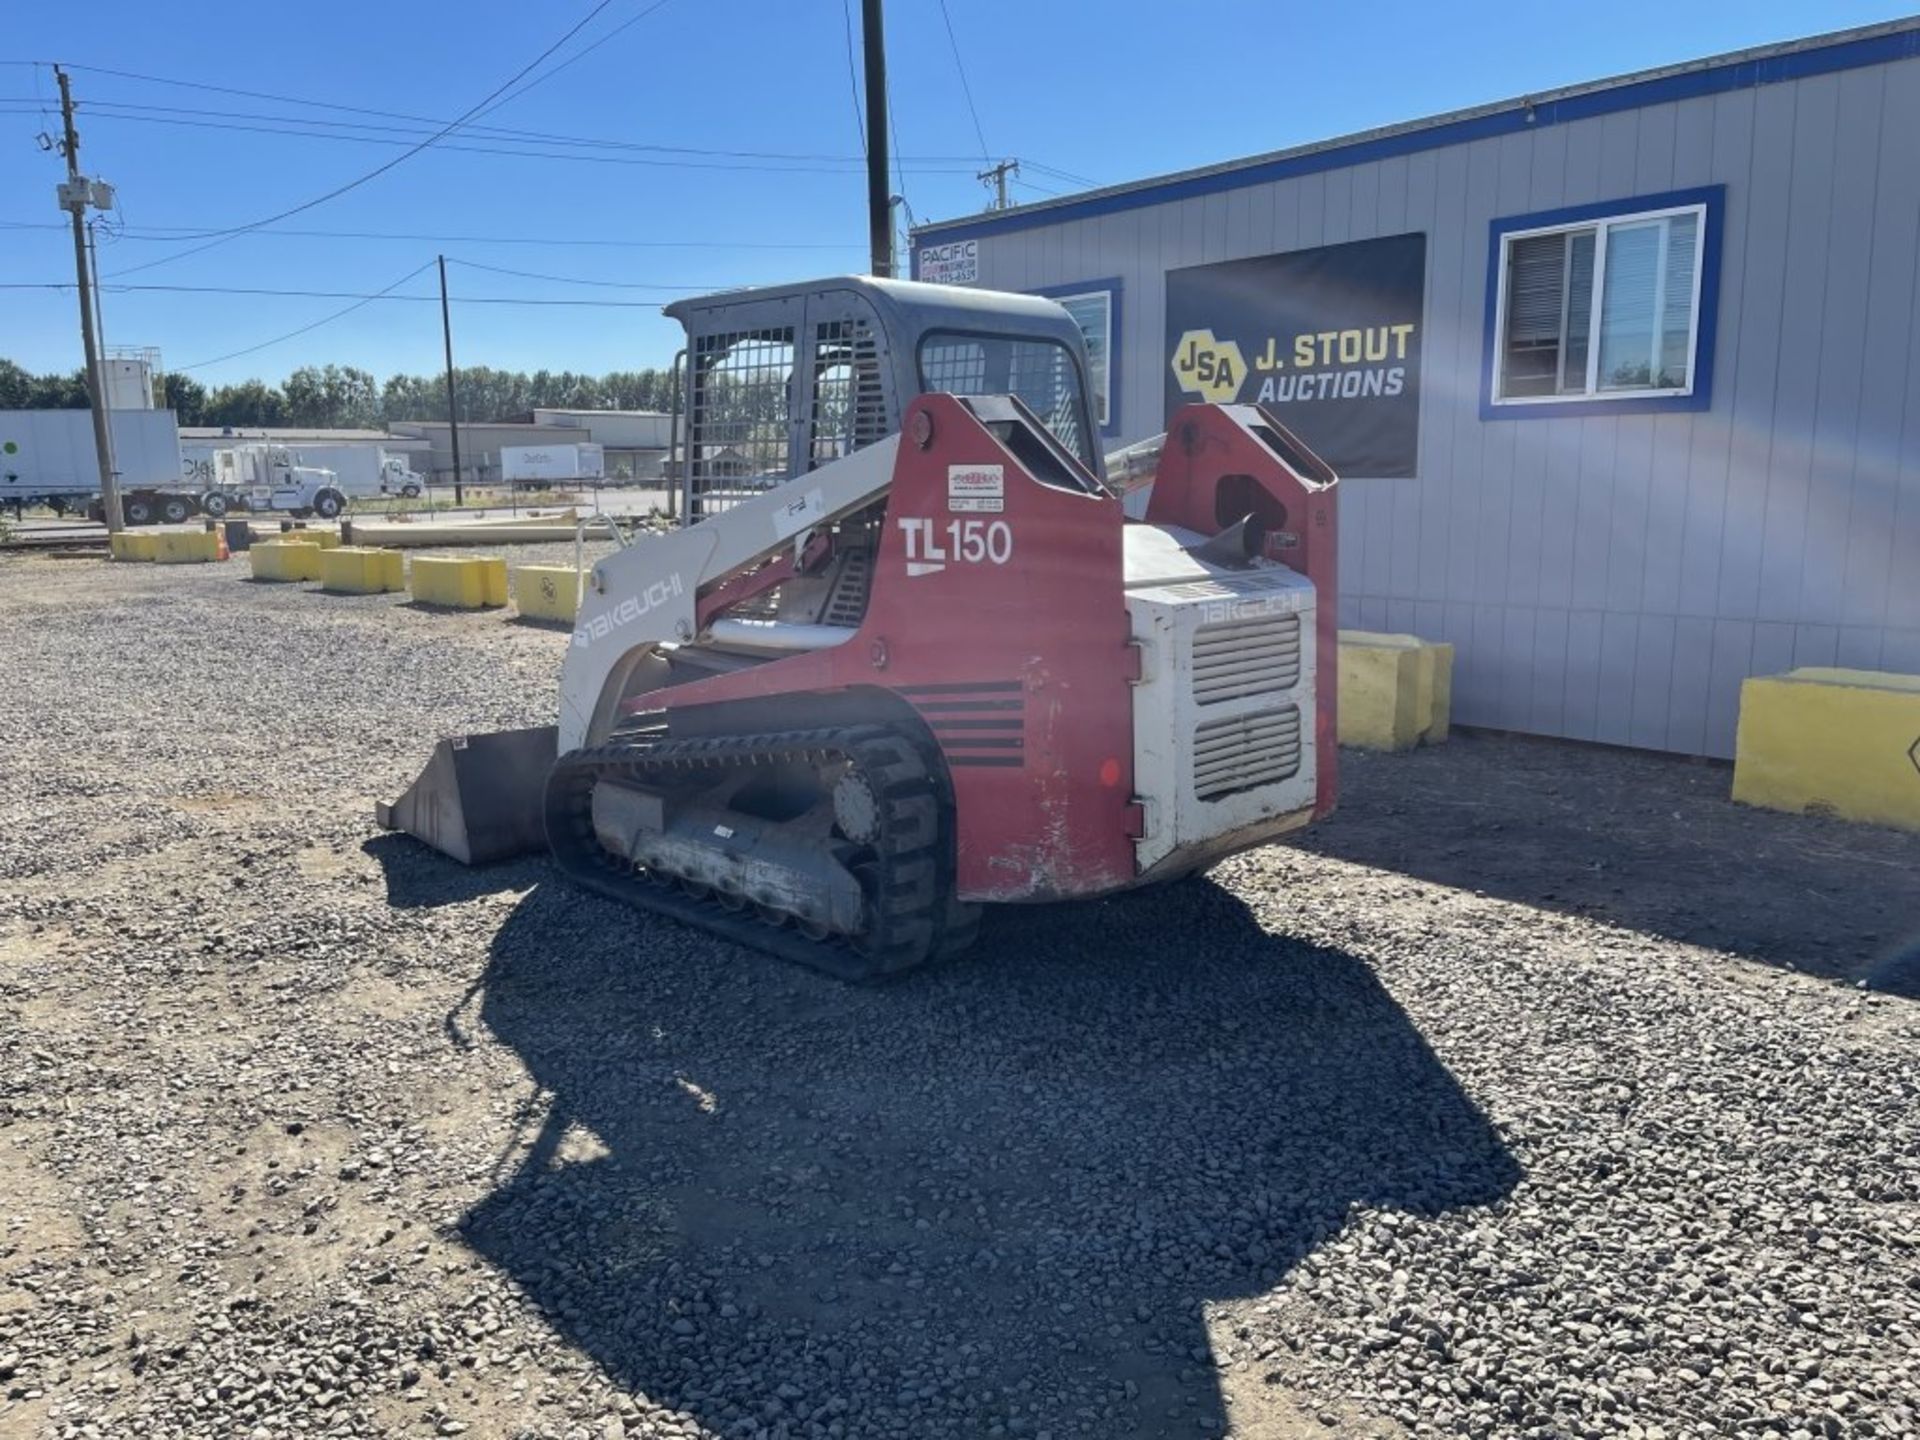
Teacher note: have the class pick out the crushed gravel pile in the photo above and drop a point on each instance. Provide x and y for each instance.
(1535, 1095)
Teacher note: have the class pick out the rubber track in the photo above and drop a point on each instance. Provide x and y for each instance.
(910, 904)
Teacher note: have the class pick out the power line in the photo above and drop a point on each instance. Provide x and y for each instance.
(358, 295)
(575, 58)
(849, 166)
(166, 233)
(292, 334)
(853, 76)
(563, 279)
(965, 88)
(417, 125)
(1059, 174)
(219, 236)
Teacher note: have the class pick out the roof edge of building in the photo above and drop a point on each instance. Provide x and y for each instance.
(1879, 43)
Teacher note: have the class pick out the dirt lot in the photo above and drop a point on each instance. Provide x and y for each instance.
(1535, 1095)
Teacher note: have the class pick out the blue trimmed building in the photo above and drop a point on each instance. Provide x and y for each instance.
(1623, 379)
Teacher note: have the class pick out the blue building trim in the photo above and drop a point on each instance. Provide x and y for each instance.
(1115, 289)
(1709, 79)
(1714, 198)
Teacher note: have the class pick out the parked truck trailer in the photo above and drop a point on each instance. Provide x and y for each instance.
(539, 467)
(47, 457)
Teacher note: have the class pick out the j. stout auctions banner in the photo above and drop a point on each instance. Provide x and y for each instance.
(1327, 339)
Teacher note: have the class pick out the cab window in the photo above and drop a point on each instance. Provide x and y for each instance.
(1041, 372)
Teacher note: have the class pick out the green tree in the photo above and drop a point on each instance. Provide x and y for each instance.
(346, 397)
(59, 392)
(16, 386)
(187, 398)
(249, 403)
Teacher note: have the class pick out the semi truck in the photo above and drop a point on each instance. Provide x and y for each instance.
(275, 477)
(364, 471)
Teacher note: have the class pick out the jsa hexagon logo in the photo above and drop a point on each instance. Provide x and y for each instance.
(1208, 368)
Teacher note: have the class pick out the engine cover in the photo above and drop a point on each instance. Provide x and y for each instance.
(1223, 715)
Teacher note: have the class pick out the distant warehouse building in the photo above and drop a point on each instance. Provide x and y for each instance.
(480, 444)
(636, 441)
(1623, 380)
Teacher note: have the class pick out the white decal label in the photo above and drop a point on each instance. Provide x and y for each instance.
(978, 488)
(598, 627)
(797, 514)
(955, 263)
(931, 547)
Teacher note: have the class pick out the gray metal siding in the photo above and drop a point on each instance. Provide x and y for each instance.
(1615, 578)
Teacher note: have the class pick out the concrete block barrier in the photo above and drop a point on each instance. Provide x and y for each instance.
(547, 592)
(134, 545)
(325, 539)
(1396, 691)
(195, 547)
(358, 570)
(285, 559)
(1821, 741)
(464, 582)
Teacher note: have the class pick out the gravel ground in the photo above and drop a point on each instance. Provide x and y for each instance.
(1534, 1095)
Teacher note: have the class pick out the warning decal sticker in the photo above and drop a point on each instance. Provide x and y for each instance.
(981, 489)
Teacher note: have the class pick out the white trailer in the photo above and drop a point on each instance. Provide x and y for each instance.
(47, 458)
(540, 466)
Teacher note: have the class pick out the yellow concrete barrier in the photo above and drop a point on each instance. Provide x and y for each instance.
(1831, 742)
(135, 545)
(465, 582)
(285, 559)
(547, 592)
(188, 547)
(1396, 691)
(357, 570)
(325, 539)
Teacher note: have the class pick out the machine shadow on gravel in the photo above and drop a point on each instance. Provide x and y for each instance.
(418, 879)
(1643, 841)
(999, 1192)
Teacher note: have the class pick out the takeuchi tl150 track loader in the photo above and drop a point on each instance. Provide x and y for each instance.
(910, 655)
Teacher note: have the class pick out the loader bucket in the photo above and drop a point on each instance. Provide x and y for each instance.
(480, 797)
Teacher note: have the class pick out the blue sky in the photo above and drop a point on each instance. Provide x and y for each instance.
(1111, 92)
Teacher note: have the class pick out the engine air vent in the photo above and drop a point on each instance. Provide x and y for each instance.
(1244, 752)
(1234, 659)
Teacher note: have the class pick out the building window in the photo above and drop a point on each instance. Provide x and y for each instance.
(1095, 307)
(1607, 306)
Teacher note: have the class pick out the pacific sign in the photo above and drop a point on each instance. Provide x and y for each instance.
(955, 263)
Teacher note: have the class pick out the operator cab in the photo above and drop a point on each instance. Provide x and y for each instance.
(785, 379)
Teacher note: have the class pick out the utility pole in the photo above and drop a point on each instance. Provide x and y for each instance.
(74, 197)
(996, 176)
(100, 323)
(453, 405)
(879, 198)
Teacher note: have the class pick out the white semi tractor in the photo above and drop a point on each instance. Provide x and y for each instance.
(244, 474)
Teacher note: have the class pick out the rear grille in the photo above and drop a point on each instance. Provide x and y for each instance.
(1237, 658)
(1244, 752)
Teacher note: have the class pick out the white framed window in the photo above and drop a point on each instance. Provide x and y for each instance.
(1601, 308)
(1095, 308)
(1092, 311)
